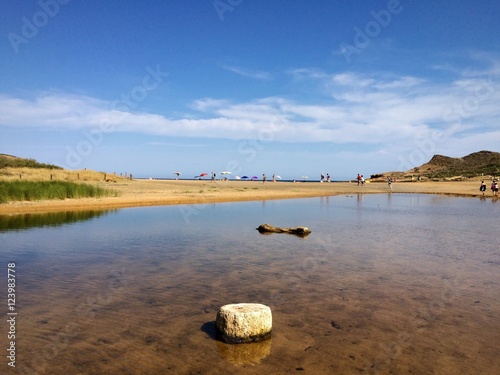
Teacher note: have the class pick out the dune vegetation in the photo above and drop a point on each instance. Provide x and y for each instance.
(20, 190)
(9, 161)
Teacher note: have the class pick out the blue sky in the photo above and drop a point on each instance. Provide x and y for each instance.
(264, 86)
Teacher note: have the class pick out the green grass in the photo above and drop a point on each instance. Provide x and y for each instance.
(14, 162)
(41, 190)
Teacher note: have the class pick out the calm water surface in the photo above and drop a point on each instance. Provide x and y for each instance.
(384, 284)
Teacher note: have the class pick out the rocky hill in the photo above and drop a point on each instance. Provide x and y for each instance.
(480, 163)
(477, 164)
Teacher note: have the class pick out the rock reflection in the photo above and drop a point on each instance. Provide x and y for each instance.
(238, 354)
(244, 354)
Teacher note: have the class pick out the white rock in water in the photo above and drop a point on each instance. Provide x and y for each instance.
(244, 322)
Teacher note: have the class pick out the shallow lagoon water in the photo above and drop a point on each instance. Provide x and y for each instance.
(384, 284)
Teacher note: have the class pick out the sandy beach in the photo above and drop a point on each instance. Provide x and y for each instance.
(133, 193)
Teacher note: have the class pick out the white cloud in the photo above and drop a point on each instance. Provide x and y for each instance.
(366, 109)
(352, 80)
(207, 104)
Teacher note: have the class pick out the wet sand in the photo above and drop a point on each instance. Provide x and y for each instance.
(133, 193)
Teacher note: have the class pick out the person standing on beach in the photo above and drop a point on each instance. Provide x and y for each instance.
(264, 178)
(327, 177)
(362, 180)
(321, 177)
(359, 179)
(494, 188)
(482, 187)
(213, 176)
(389, 182)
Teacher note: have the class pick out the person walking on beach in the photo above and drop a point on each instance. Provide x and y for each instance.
(494, 188)
(362, 180)
(389, 182)
(213, 176)
(327, 177)
(359, 179)
(482, 187)
(264, 178)
(321, 177)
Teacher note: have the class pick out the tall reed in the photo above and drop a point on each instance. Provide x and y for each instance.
(43, 190)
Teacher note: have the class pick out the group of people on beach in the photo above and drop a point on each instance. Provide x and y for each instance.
(360, 179)
(494, 187)
(322, 178)
(213, 176)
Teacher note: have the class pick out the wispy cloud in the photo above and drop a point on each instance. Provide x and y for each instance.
(307, 73)
(255, 74)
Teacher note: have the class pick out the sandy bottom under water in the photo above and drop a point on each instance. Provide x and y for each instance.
(395, 305)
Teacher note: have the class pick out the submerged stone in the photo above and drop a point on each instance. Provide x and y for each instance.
(298, 231)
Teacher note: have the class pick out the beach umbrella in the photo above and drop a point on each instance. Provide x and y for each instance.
(255, 178)
(225, 172)
(278, 177)
(244, 177)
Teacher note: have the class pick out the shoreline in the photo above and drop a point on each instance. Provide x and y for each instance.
(140, 193)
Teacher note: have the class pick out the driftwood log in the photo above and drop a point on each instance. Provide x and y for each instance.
(298, 231)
